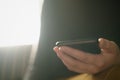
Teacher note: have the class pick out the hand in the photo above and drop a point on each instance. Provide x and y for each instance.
(84, 62)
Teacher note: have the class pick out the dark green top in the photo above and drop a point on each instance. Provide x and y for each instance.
(72, 19)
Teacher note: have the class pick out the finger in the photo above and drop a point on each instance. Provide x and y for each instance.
(107, 46)
(103, 43)
(77, 66)
(56, 49)
(79, 55)
(115, 47)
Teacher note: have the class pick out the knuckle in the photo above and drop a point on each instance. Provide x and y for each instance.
(71, 67)
(114, 43)
(94, 70)
(100, 65)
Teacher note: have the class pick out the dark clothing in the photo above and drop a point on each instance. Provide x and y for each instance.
(72, 19)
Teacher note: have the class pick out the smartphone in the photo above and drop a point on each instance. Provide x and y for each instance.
(87, 45)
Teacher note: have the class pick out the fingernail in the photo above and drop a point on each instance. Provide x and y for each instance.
(59, 48)
(100, 39)
(55, 48)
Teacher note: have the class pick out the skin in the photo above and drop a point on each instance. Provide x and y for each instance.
(83, 62)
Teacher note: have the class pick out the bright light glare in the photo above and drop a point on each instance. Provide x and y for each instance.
(19, 22)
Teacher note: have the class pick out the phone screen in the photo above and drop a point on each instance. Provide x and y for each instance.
(87, 45)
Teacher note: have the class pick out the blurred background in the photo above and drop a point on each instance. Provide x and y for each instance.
(19, 36)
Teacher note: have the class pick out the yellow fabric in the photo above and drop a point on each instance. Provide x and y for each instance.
(111, 74)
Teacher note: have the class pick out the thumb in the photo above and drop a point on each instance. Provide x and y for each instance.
(106, 45)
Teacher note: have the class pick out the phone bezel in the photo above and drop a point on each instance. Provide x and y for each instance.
(90, 43)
